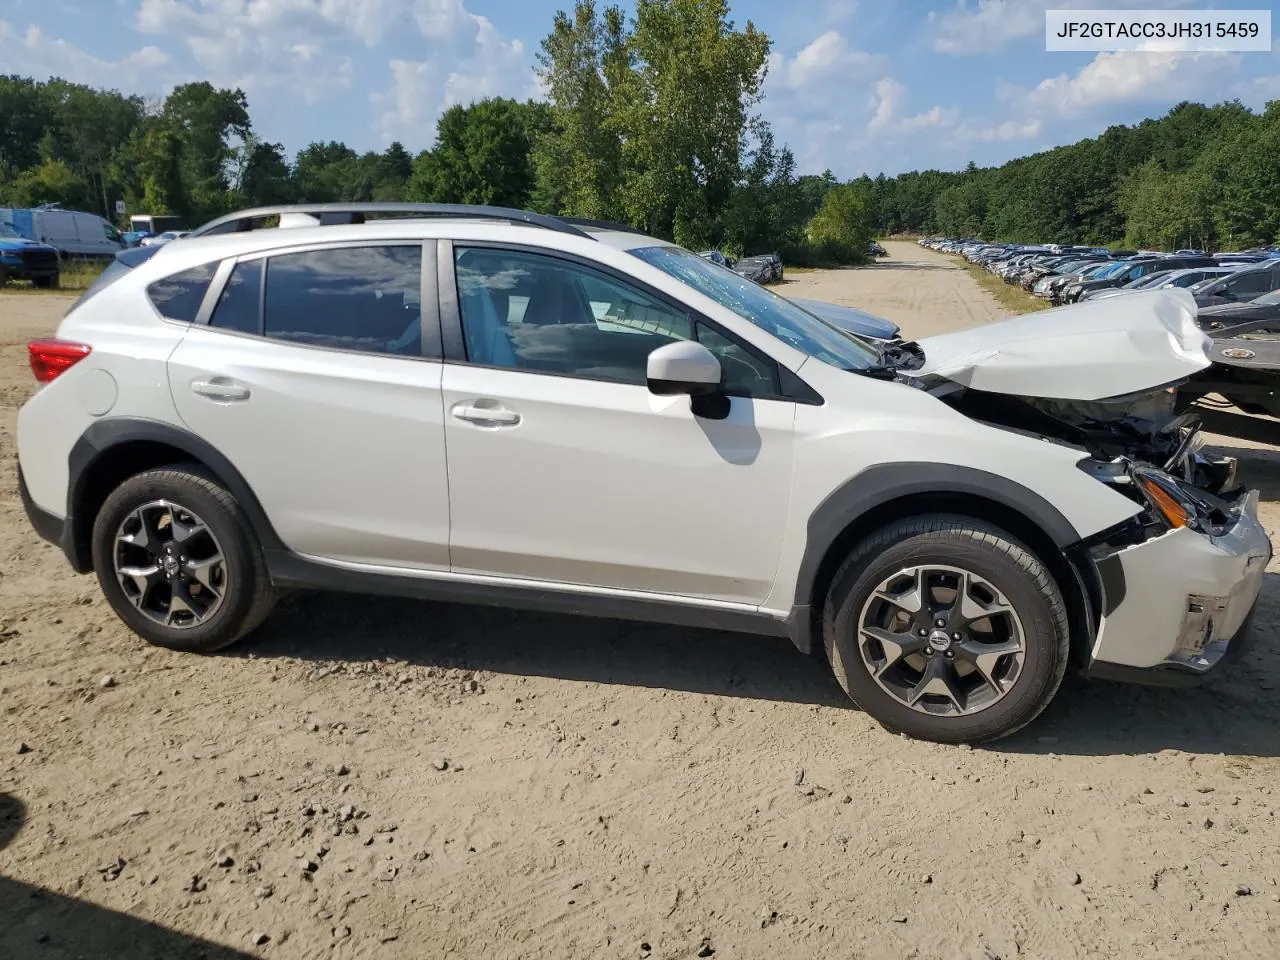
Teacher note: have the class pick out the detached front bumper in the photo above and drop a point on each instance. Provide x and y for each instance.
(1177, 605)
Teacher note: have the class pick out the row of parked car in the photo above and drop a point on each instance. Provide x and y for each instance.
(1065, 275)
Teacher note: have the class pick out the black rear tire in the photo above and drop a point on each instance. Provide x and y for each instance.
(244, 585)
(988, 553)
(46, 283)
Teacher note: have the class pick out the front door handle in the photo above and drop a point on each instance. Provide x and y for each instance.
(222, 389)
(486, 416)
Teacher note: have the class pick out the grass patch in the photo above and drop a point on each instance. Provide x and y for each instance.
(75, 277)
(1008, 295)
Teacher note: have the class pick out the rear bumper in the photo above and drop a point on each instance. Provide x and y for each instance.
(48, 526)
(1186, 602)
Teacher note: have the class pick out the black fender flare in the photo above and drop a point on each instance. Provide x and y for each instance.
(886, 482)
(103, 436)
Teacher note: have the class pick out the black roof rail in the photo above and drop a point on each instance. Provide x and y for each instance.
(327, 214)
(601, 224)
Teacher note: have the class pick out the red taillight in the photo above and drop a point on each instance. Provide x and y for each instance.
(51, 357)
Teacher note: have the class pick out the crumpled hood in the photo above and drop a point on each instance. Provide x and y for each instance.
(850, 318)
(1085, 351)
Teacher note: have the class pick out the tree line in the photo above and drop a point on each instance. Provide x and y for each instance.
(650, 119)
(1200, 176)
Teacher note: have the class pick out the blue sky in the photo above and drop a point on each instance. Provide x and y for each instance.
(853, 85)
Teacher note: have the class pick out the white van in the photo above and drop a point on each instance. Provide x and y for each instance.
(74, 233)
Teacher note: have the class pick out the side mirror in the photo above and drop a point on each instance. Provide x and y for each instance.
(685, 366)
(689, 367)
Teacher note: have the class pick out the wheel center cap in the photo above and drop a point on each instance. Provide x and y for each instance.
(940, 640)
(171, 565)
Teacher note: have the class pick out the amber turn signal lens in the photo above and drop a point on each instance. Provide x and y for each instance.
(1174, 512)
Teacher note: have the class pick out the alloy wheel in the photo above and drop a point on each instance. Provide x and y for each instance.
(942, 640)
(170, 565)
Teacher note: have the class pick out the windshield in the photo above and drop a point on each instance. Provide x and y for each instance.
(1109, 271)
(8, 233)
(764, 308)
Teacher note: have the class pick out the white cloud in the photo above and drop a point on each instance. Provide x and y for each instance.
(440, 19)
(1257, 92)
(368, 20)
(888, 98)
(410, 104)
(934, 117)
(1125, 77)
(999, 133)
(31, 53)
(828, 59)
(987, 25)
(420, 90)
(259, 45)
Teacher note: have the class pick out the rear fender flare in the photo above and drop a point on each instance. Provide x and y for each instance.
(103, 436)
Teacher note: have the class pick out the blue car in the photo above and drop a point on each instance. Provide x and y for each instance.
(23, 259)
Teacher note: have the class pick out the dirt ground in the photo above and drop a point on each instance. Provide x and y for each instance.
(375, 778)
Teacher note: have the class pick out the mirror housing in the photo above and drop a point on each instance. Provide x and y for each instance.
(685, 366)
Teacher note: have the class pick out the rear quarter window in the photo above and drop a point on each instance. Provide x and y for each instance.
(179, 295)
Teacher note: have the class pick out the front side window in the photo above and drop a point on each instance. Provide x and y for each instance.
(178, 296)
(544, 315)
(367, 299)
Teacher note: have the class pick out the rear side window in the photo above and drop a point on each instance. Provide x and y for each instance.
(240, 299)
(178, 296)
(367, 299)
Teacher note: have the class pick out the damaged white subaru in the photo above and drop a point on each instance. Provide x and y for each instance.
(492, 406)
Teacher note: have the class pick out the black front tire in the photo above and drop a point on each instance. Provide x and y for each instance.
(247, 596)
(46, 283)
(988, 552)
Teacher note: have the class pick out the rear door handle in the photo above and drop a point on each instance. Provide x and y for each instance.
(486, 416)
(220, 388)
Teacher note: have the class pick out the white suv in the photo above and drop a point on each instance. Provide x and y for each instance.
(490, 405)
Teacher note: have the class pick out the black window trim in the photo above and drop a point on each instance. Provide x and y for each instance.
(429, 315)
(792, 389)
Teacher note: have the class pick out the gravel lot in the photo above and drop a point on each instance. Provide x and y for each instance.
(374, 778)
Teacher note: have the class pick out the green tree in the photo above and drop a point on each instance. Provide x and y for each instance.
(324, 172)
(578, 159)
(50, 182)
(159, 168)
(840, 232)
(482, 154)
(24, 119)
(210, 124)
(262, 174)
(1163, 210)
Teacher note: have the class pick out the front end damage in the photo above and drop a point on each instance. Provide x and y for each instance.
(1174, 587)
